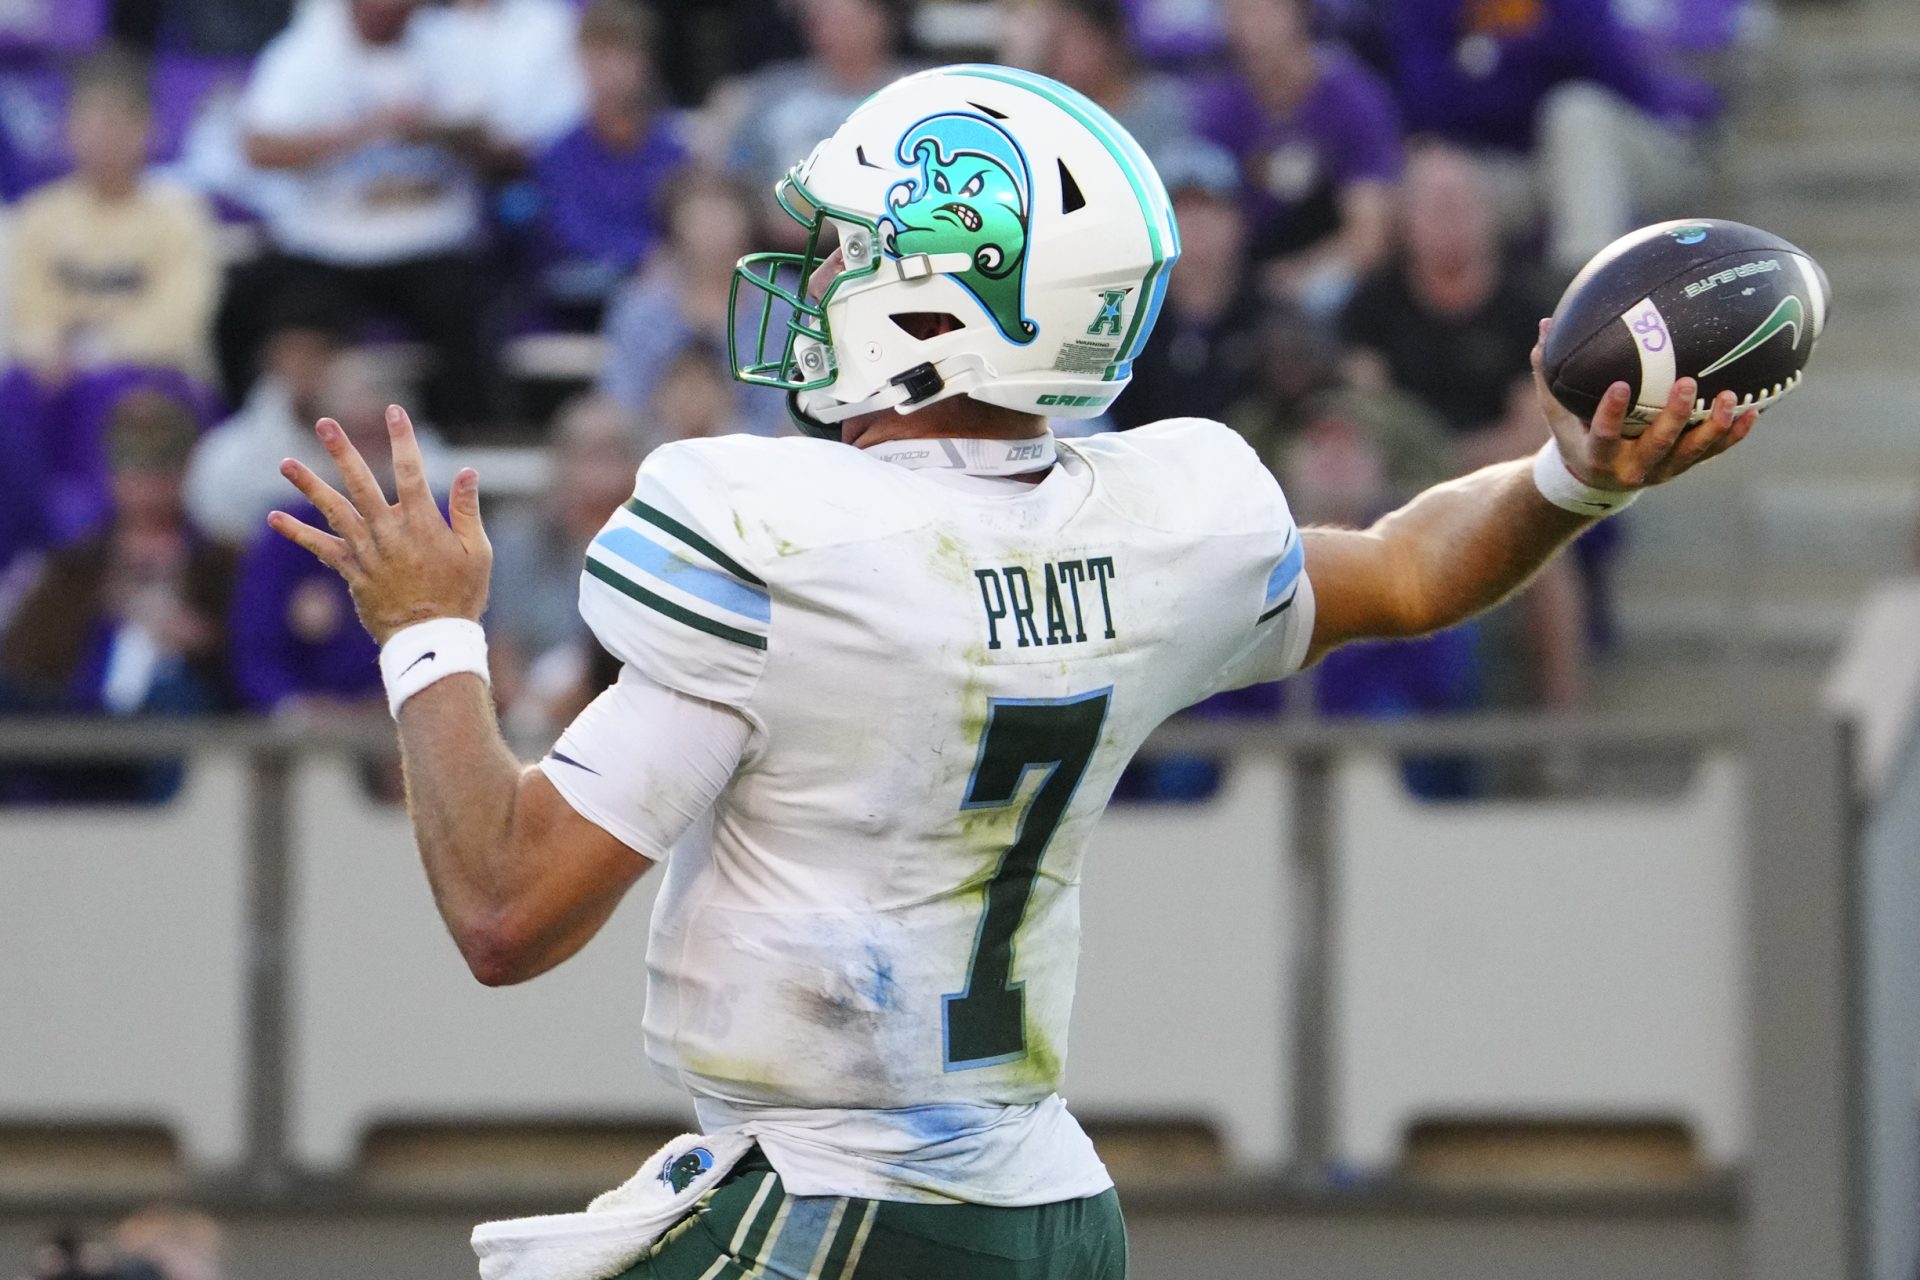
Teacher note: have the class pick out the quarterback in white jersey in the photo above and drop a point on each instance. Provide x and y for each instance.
(879, 681)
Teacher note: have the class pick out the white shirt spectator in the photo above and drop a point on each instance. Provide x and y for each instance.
(523, 81)
(233, 479)
(388, 201)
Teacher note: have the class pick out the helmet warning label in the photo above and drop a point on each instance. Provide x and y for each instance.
(1085, 357)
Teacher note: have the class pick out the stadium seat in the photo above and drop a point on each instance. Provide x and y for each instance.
(125, 929)
(1538, 961)
(390, 1027)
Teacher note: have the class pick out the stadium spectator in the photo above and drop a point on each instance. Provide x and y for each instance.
(179, 1243)
(682, 301)
(523, 81)
(67, 1255)
(297, 648)
(538, 646)
(234, 479)
(127, 621)
(363, 107)
(1318, 141)
(218, 28)
(1609, 120)
(1451, 321)
(1359, 453)
(776, 114)
(696, 398)
(1451, 318)
(1298, 359)
(1203, 355)
(1086, 44)
(601, 186)
(112, 284)
(703, 45)
(109, 268)
(1177, 32)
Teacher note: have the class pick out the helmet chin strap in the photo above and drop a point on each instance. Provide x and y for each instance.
(974, 455)
(954, 376)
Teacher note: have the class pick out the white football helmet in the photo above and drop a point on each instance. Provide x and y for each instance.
(997, 197)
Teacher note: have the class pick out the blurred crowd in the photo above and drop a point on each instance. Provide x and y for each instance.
(158, 1243)
(225, 219)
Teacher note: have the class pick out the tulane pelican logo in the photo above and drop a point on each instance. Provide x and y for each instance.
(972, 195)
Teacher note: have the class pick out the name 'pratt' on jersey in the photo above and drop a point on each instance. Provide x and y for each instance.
(1007, 595)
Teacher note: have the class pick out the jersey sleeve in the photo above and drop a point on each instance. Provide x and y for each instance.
(644, 763)
(1276, 605)
(668, 589)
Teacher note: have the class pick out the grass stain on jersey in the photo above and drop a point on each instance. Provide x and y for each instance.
(781, 546)
(1041, 1066)
(951, 562)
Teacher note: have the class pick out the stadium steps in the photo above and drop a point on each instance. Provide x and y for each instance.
(1768, 552)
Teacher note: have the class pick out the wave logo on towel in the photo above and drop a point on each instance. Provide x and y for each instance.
(682, 1172)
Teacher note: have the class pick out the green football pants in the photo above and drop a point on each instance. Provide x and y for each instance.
(749, 1226)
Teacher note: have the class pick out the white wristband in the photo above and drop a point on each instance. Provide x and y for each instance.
(427, 653)
(1558, 485)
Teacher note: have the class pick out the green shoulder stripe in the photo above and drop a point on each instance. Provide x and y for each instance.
(659, 518)
(697, 621)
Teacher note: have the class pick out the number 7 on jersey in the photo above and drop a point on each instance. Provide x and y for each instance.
(986, 1023)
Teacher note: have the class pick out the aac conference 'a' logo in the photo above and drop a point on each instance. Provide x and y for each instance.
(1108, 321)
(972, 194)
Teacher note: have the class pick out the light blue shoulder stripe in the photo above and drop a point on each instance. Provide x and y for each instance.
(1289, 568)
(710, 585)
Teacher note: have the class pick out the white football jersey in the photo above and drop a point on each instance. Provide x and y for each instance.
(943, 685)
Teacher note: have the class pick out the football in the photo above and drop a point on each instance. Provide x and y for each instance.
(1732, 306)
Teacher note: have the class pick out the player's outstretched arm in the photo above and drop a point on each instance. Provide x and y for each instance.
(1464, 546)
(521, 880)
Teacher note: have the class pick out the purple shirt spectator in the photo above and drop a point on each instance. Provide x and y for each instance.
(601, 209)
(1176, 31)
(1481, 84)
(1294, 166)
(294, 633)
(66, 429)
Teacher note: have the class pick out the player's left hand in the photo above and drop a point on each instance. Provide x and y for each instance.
(403, 562)
(1604, 455)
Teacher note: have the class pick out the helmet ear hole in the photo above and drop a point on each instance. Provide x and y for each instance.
(922, 325)
(1070, 197)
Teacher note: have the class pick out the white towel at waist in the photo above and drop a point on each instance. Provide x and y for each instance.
(619, 1226)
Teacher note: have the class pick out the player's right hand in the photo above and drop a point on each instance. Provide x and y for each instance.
(403, 562)
(1604, 455)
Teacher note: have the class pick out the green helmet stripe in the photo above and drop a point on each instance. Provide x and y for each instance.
(1134, 164)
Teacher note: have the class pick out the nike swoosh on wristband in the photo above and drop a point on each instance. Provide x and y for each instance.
(1789, 314)
(428, 656)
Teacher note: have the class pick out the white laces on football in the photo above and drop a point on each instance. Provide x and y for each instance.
(974, 456)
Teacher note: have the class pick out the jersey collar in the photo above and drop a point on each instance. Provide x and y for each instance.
(974, 456)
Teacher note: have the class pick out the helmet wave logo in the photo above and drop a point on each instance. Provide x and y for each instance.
(971, 193)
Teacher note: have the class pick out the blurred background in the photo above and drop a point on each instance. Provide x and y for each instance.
(1579, 942)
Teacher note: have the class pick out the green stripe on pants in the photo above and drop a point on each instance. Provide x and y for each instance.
(749, 1226)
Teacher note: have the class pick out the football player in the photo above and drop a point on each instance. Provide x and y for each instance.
(880, 678)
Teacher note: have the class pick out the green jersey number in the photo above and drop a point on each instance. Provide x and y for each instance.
(986, 1023)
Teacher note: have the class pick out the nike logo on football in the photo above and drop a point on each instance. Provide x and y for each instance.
(1788, 315)
(428, 656)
